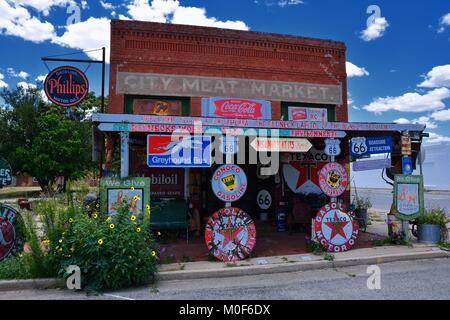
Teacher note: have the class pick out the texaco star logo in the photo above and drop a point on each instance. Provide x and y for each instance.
(230, 234)
(7, 231)
(334, 228)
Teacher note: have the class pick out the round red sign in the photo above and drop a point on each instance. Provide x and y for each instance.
(334, 228)
(230, 234)
(66, 86)
(333, 179)
(8, 217)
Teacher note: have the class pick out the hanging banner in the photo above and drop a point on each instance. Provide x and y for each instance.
(66, 86)
(408, 196)
(333, 179)
(307, 114)
(178, 151)
(373, 164)
(229, 182)
(8, 230)
(363, 146)
(236, 108)
(230, 234)
(334, 228)
(5, 173)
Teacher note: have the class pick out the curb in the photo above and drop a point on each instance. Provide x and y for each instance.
(29, 284)
(296, 266)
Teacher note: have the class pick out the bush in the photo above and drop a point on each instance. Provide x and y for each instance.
(437, 216)
(17, 267)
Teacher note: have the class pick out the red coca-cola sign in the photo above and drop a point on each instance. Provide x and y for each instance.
(237, 108)
(66, 86)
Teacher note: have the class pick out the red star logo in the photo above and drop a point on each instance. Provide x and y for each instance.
(296, 165)
(229, 235)
(337, 227)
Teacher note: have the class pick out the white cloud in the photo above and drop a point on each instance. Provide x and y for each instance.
(402, 121)
(171, 11)
(375, 30)
(411, 102)
(443, 115)
(40, 78)
(107, 5)
(284, 3)
(3, 84)
(445, 22)
(355, 71)
(44, 6)
(439, 76)
(436, 138)
(85, 36)
(26, 85)
(15, 20)
(13, 74)
(421, 120)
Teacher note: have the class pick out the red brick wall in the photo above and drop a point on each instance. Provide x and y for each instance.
(191, 50)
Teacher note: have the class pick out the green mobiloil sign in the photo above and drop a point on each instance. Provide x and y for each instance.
(408, 196)
(134, 191)
(5, 173)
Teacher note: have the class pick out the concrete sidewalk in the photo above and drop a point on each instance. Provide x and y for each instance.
(299, 262)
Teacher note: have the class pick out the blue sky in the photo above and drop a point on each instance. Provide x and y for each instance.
(398, 67)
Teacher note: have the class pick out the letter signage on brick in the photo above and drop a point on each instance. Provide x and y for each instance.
(66, 86)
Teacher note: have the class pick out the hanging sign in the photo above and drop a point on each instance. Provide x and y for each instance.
(407, 167)
(236, 108)
(229, 182)
(5, 173)
(362, 146)
(66, 86)
(280, 144)
(333, 179)
(332, 147)
(8, 232)
(264, 199)
(406, 145)
(334, 228)
(133, 191)
(230, 234)
(307, 114)
(408, 196)
(365, 165)
(179, 151)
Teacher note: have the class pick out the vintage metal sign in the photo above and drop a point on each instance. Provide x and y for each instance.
(264, 199)
(333, 179)
(408, 196)
(8, 232)
(133, 191)
(332, 147)
(362, 146)
(167, 182)
(334, 228)
(229, 182)
(197, 86)
(178, 151)
(307, 114)
(230, 234)
(5, 173)
(66, 86)
(406, 146)
(373, 164)
(229, 144)
(236, 108)
(280, 144)
(407, 167)
(157, 107)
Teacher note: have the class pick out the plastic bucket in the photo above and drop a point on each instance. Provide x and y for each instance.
(429, 233)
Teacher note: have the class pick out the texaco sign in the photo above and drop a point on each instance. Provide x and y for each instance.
(334, 228)
(333, 179)
(8, 218)
(230, 234)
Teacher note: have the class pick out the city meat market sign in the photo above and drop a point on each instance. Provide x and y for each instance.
(196, 86)
(334, 228)
(66, 86)
(229, 182)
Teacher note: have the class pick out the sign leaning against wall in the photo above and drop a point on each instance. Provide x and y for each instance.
(5, 173)
(408, 196)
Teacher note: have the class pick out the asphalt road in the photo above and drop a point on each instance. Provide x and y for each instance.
(422, 279)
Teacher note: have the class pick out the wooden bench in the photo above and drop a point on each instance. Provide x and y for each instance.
(170, 214)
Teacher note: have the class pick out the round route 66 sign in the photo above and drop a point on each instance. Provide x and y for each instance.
(230, 234)
(333, 179)
(334, 228)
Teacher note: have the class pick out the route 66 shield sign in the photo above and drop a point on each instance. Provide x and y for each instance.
(358, 146)
(332, 147)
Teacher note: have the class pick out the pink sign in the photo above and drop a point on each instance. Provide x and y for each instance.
(236, 108)
(307, 114)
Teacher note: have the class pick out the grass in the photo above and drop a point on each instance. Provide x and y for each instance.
(16, 267)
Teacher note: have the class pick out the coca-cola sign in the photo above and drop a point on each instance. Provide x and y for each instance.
(236, 108)
(66, 86)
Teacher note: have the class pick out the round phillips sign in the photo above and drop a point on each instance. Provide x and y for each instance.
(230, 234)
(334, 228)
(333, 179)
(66, 86)
(229, 182)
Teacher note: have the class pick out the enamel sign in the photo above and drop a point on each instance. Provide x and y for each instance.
(408, 196)
(334, 228)
(8, 219)
(229, 182)
(230, 234)
(362, 146)
(281, 144)
(236, 108)
(307, 114)
(333, 179)
(332, 147)
(66, 86)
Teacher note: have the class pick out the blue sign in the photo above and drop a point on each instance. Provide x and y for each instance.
(363, 146)
(178, 151)
(407, 167)
(365, 165)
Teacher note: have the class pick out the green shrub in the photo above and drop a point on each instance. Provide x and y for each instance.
(436, 216)
(17, 267)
